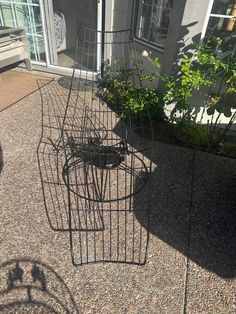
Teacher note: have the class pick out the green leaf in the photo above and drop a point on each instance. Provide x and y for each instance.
(156, 62)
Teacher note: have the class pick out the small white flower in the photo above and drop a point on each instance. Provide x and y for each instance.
(145, 53)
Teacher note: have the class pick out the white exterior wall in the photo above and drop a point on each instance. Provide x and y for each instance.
(186, 25)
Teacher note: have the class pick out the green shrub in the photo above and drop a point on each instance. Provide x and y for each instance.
(142, 102)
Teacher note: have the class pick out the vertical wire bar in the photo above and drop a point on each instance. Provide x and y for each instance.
(69, 211)
(118, 212)
(126, 201)
(94, 48)
(101, 118)
(73, 115)
(88, 134)
(79, 219)
(50, 188)
(56, 193)
(110, 192)
(87, 209)
(116, 39)
(132, 165)
(62, 193)
(86, 64)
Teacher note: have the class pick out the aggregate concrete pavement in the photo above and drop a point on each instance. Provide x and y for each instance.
(191, 263)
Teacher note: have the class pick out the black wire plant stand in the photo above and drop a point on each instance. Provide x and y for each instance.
(95, 170)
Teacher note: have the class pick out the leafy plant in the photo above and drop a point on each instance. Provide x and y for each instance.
(202, 67)
(195, 70)
(122, 94)
(212, 64)
(154, 75)
(222, 102)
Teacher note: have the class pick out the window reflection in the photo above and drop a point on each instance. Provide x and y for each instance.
(223, 7)
(153, 20)
(221, 25)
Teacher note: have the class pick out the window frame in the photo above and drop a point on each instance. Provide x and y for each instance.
(140, 40)
(209, 15)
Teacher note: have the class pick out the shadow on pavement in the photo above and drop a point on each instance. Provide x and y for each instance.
(29, 286)
(203, 229)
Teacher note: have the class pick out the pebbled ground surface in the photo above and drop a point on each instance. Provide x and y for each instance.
(191, 264)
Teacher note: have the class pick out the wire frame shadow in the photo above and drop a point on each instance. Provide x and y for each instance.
(50, 155)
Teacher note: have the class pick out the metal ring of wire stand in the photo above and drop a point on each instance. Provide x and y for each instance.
(73, 162)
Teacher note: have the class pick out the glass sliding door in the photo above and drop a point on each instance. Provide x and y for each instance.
(25, 13)
(63, 18)
(51, 28)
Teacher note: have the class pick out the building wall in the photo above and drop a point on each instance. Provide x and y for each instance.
(109, 15)
(186, 24)
(187, 20)
(122, 14)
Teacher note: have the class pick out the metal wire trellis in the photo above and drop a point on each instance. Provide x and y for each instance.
(93, 165)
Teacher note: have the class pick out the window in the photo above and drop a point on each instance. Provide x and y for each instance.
(152, 20)
(221, 21)
(25, 13)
